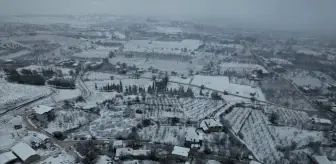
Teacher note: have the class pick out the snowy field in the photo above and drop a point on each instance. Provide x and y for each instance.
(65, 71)
(101, 76)
(288, 117)
(240, 67)
(166, 30)
(237, 118)
(15, 55)
(99, 52)
(62, 158)
(280, 61)
(68, 119)
(119, 35)
(169, 47)
(197, 109)
(303, 78)
(15, 94)
(221, 83)
(174, 135)
(164, 65)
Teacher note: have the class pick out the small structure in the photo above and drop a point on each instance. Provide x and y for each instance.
(321, 160)
(7, 157)
(321, 121)
(118, 144)
(193, 138)
(42, 112)
(180, 153)
(211, 125)
(123, 152)
(16, 123)
(25, 153)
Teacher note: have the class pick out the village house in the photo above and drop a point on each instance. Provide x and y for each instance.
(193, 138)
(25, 153)
(211, 125)
(16, 123)
(180, 153)
(321, 121)
(118, 144)
(42, 112)
(7, 158)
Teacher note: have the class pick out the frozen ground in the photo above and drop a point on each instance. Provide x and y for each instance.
(62, 158)
(164, 65)
(221, 83)
(15, 94)
(15, 55)
(164, 134)
(241, 67)
(101, 76)
(99, 52)
(170, 47)
(68, 119)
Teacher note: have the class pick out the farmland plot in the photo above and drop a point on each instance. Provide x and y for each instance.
(237, 117)
(288, 117)
(161, 113)
(112, 122)
(280, 91)
(260, 137)
(15, 94)
(68, 119)
(101, 76)
(303, 78)
(198, 109)
(164, 134)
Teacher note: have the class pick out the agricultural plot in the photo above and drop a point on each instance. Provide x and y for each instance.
(99, 52)
(237, 117)
(185, 47)
(288, 117)
(280, 61)
(197, 109)
(68, 119)
(162, 113)
(240, 67)
(303, 78)
(174, 135)
(222, 83)
(14, 94)
(285, 136)
(112, 122)
(280, 91)
(261, 138)
(101, 76)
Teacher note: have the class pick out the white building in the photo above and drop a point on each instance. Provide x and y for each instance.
(122, 152)
(211, 125)
(192, 137)
(181, 153)
(7, 157)
(25, 153)
(42, 112)
(321, 121)
(118, 144)
(321, 160)
(16, 122)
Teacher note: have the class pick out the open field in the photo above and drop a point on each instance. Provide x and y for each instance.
(237, 117)
(99, 52)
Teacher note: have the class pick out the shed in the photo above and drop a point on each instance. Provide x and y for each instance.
(118, 144)
(7, 157)
(211, 125)
(181, 153)
(321, 160)
(25, 153)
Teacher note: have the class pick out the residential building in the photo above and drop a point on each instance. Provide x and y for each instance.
(25, 153)
(7, 158)
(16, 123)
(321, 121)
(118, 144)
(211, 125)
(180, 153)
(192, 137)
(43, 112)
(124, 152)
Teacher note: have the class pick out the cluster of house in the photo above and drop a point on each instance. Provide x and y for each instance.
(21, 152)
(193, 139)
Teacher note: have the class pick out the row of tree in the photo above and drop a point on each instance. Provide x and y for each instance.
(62, 83)
(26, 77)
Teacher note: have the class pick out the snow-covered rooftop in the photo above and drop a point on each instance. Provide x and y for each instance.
(321, 121)
(192, 135)
(321, 160)
(181, 151)
(40, 109)
(23, 151)
(7, 157)
(16, 121)
(117, 143)
(205, 124)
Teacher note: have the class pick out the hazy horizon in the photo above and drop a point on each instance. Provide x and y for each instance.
(280, 14)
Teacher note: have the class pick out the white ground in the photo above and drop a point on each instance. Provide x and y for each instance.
(241, 67)
(15, 94)
(63, 158)
(280, 61)
(99, 52)
(221, 83)
(15, 55)
(171, 47)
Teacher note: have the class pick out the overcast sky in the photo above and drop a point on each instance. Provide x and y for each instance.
(295, 14)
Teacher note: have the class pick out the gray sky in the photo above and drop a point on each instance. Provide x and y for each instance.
(290, 14)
